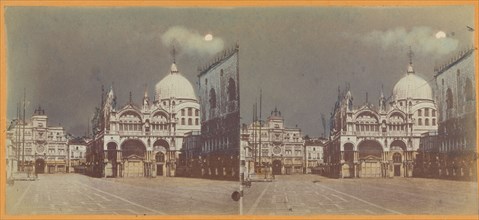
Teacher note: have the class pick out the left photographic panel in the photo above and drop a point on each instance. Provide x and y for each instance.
(121, 111)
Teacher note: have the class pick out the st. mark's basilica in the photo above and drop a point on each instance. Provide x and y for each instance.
(167, 135)
(381, 140)
(144, 140)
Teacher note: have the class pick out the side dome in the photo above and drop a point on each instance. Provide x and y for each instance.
(412, 86)
(174, 85)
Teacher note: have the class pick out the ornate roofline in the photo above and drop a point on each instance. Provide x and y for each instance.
(453, 61)
(220, 58)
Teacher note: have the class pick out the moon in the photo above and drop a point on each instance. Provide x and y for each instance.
(208, 37)
(440, 35)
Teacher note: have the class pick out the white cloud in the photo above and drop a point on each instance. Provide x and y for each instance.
(191, 41)
(422, 40)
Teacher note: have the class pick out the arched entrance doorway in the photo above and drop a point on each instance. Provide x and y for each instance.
(370, 155)
(348, 166)
(162, 158)
(277, 167)
(397, 160)
(39, 166)
(112, 154)
(133, 155)
(397, 150)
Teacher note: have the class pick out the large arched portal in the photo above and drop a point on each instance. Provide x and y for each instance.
(370, 156)
(348, 166)
(112, 153)
(39, 166)
(133, 154)
(160, 160)
(162, 157)
(397, 155)
(397, 160)
(277, 167)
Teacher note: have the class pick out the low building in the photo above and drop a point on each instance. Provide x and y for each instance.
(190, 159)
(314, 156)
(427, 159)
(12, 151)
(76, 155)
(247, 162)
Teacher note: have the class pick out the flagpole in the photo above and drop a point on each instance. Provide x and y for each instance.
(260, 136)
(23, 131)
(17, 136)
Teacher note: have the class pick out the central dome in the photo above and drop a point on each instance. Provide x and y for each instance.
(174, 85)
(412, 86)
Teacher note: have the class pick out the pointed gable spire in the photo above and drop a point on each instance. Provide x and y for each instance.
(382, 100)
(111, 93)
(130, 101)
(382, 91)
(173, 68)
(173, 54)
(111, 98)
(146, 91)
(146, 100)
(410, 54)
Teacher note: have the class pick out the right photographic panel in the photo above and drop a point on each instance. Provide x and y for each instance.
(359, 111)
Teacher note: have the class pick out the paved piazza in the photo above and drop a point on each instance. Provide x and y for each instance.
(316, 195)
(287, 195)
(79, 194)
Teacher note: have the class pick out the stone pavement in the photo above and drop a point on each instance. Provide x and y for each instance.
(286, 195)
(316, 195)
(77, 194)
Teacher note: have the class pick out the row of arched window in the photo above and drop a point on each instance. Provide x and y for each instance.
(231, 92)
(189, 111)
(453, 144)
(216, 143)
(426, 122)
(468, 92)
(190, 121)
(159, 127)
(139, 126)
(130, 127)
(367, 127)
(426, 112)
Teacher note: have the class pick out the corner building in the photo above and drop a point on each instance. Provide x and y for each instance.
(144, 140)
(455, 154)
(383, 141)
(220, 118)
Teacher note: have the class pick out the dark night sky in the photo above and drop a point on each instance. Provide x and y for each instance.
(298, 56)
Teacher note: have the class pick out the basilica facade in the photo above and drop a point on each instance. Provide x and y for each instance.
(144, 140)
(382, 141)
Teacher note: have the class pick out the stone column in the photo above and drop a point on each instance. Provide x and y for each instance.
(117, 165)
(120, 162)
(107, 166)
